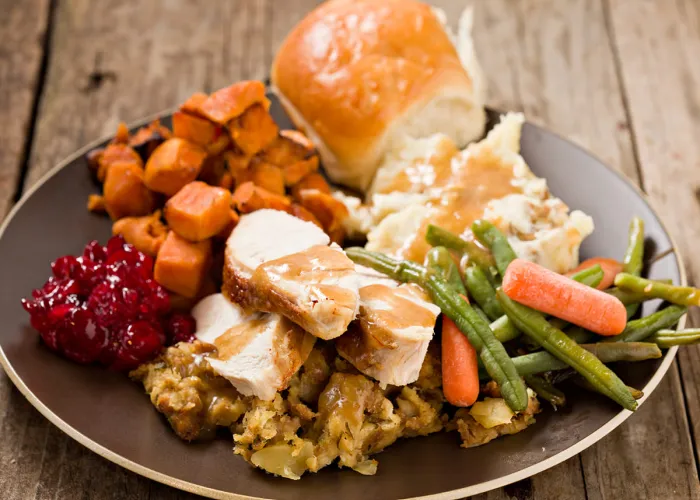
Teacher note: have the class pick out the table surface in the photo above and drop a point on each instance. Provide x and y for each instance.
(619, 77)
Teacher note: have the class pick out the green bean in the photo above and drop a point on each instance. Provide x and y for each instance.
(496, 241)
(633, 261)
(483, 293)
(542, 361)
(439, 260)
(484, 317)
(504, 329)
(681, 295)
(579, 335)
(628, 297)
(436, 236)
(492, 353)
(534, 325)
(669, 338)
(546, 390)
(639, 329)
(591, 276)
(585, 384)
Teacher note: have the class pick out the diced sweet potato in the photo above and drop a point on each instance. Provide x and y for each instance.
(226, 232)
(116, 153)
(96, 203)
(237, 164)
(122, 135)
(329, 211)
(200, 131)
(296, 171)
(198, 211)
(193, 104)
(172, 165)
(267, 176)
(146, 233)
(253, 130)
(125, 193)
(226, 181)
(248, 198)
(301, 213)
(294, 153)
(312, 181)
(181, 265)
(226, 104)
(148, 138)
(285, 150)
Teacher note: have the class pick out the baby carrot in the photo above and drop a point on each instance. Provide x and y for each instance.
(460, 368)
(611, 268)
(551, 293)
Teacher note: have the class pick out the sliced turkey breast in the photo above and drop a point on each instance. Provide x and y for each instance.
(258, 353)
(280, 264)
(390, 339)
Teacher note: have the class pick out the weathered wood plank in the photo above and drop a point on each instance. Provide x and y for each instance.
(661, 76)
(23, 26)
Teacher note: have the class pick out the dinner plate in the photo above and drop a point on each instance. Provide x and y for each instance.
(114, 417)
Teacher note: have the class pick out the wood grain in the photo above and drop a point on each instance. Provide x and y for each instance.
(659, 67)
(23, 26)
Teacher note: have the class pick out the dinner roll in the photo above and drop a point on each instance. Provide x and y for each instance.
(357, 75)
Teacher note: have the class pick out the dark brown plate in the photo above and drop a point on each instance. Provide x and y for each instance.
(113, 417)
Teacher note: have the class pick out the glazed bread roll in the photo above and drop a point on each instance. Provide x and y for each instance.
(359, 75)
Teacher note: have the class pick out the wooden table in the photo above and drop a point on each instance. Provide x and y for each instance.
(619, 77)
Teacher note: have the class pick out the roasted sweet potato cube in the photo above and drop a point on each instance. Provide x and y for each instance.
(148, 138)
(182, 265)
(122, 135)
(200, 131)
(125, 193)
(284, 151)
(96, 203)
(329, 211)
(226, 232)
(198, 211)
(301, 213)
(193, 104)
(248, 198)
(253, 130)
(116, 153)
(146, 233)
(267, 176)
(295, 172)
(237, 164)
(172, 165)
(226, 104)
(312, 181)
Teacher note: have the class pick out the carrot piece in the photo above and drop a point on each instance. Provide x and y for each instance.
(172, 165)
(226, 104)
(181, 266)
(200, 131)
(253, 130)
(248, 198)
(199, 211)
(460, 367)
(125, 193)
(611, 268)
(267, 176)
(555, 294)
